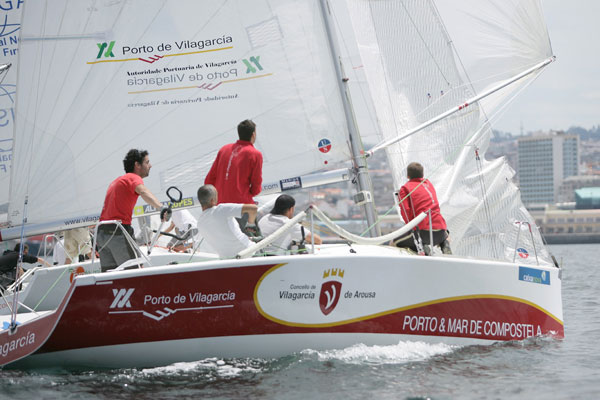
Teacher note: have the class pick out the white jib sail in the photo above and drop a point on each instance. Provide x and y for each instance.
(415, 72)
(172, 77)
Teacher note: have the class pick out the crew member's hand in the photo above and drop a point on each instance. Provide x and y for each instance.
(165, 214)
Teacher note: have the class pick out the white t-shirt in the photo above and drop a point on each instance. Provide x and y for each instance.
(270, 223)
(219, 228)
(184, 220)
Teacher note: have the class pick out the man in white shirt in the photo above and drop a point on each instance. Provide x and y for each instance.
(186, 227)
(281, 213)
(218, 226)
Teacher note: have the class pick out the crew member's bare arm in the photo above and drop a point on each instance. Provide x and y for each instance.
(148, 197)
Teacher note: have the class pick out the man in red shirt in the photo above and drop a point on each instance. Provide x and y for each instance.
(236, 173)
(121, 196)
(417, 196)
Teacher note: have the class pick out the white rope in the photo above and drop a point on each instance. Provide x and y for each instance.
(334, 227)
(364, 240)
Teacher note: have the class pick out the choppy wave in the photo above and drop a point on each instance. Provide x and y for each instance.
(215, 366)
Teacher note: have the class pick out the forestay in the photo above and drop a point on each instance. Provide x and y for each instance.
(415, 73)
(172, 77)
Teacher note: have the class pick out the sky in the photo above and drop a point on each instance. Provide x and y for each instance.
(568, 92)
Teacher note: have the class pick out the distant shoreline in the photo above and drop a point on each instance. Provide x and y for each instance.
(572, 238)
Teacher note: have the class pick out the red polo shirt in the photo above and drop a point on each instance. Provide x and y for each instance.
(236, 173)
(121, 198)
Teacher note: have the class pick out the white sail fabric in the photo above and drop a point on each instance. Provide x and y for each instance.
(415, 73)
(175, 78)
(10, 20)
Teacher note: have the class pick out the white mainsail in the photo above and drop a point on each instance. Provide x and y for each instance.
(415, 73)
(171, 77)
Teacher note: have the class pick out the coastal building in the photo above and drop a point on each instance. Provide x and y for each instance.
(574, 222)
(566, 191)
(544, 161)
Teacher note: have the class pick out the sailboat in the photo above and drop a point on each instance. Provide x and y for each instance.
(175, 77)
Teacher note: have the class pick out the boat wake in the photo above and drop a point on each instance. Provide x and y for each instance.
(401, 353)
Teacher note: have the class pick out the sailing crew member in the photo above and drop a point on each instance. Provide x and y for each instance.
(8, 264)
(186, 227)
(217, 223)
(121, 196)
(282, 212)
(236, 173)
(416, 196)
(77, 244)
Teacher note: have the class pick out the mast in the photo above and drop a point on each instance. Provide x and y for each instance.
(365, 186)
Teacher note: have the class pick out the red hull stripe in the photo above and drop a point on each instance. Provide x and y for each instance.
(404, 309)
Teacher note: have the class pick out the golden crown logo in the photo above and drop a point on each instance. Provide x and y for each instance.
(333, 272)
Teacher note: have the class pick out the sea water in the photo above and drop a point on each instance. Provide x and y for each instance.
(538, 368)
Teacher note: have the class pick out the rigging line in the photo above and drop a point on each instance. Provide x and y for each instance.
(50, 289)
(13, 315)
(427, 47)
(455, 109)
(484, 199)
(502, 110)
(385, 75)
(471, 83)
(451, 44)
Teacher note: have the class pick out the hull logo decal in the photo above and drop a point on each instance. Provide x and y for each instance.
(330, 290)
(534, 275)
(121, 298)
(165, 312)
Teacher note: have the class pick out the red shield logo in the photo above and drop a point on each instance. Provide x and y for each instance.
(330, 294)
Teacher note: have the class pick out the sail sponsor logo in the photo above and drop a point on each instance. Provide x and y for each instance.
(152, 52)
(523, 253)
(290, 183)
(331, 290)
(121, 298)
(534, 275)
(252, 65)
(105, 49)
(324, 145)
(6, 28)
(147, 208)
(25, 340)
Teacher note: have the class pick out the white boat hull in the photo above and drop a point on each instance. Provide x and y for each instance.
(273, 306)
